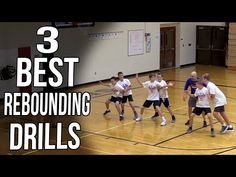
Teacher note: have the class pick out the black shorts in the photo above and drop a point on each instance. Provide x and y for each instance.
(148, 103)
(165, 102)
(219, 109)
(115, 99)
(198, 111)
(128, 97)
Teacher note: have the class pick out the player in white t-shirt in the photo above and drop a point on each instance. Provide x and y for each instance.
(164, 98)
(220, 102)
(117, 94)
(126, 84)
(153, 97)
(202, 105)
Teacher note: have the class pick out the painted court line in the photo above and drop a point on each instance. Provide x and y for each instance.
(94, 133)
(130, 122)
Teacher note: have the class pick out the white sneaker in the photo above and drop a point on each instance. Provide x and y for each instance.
(163, 123)
(138, 119)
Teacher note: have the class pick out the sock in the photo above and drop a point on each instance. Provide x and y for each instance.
(173, 117)
(230, 126)
(190, 128)
(163, 118)
(224, 124)
(212, 129)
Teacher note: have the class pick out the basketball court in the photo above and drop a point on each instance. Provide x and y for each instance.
(107, 135)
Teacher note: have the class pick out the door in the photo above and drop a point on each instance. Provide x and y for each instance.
(211, 45)
(167, 47)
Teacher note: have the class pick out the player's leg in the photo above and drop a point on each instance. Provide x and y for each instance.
(168, 107)
(146, 104)
(107, 103)
(204, 119)
(196, 111)
(191, 105)
(130, 99)
(190, 128)
(155, 110)
(209, 116)
(118, 108)
(218, 117)
(225, 117)
(158, 109)
(124, 100)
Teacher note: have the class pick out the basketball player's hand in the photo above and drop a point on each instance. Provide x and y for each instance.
(171, 84)
(184, 97)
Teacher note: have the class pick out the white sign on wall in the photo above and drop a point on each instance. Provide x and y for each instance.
(105, 36)
(136, 42)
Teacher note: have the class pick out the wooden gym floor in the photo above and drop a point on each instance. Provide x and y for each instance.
(107, 135)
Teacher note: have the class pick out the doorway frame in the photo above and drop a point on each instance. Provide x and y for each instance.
(177, 43)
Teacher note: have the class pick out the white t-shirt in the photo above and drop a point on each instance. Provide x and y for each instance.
(125, 84)
(220, 99)
(116, 90)
(202, 100)
(163, 92)
(152, 89)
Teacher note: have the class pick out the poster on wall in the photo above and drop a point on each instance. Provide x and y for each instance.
(136, 42)
(148, 42)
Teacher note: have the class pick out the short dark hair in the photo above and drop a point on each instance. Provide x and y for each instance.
(152, 75)
(120, 73)
(113, 77)
(200, 80)
(206, 76)
(159, 73)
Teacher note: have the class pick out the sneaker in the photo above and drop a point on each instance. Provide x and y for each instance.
(163, 123)
(155, 115)
(173, 119)
(138, 119)
(107, 111)
(121, 117)
(213, 133)
(204, 123)
(187, 123)
(224, 129)
(189, 130)
(230, 129)
(135, 115)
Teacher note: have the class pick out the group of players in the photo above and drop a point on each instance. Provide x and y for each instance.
(202, 91)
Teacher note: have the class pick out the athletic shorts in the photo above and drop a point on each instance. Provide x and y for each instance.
(199, 111)
(165, 102)
(129, 98)
(219, 109)
(148, 103)
(115, 99)
(192, 102)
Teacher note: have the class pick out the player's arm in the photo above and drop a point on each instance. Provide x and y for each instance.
(211, 96)
(185, 92)
(106, 85)
(137, 78)
(191, 95)
(170, 84)
(212, 93)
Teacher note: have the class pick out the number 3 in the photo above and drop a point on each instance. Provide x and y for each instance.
(51, 39)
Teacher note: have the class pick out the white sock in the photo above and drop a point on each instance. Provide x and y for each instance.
(230, 126)
(224, 124)
(163, 118)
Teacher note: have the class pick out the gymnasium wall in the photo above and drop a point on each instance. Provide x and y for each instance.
(188, 40)
(100, 59)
